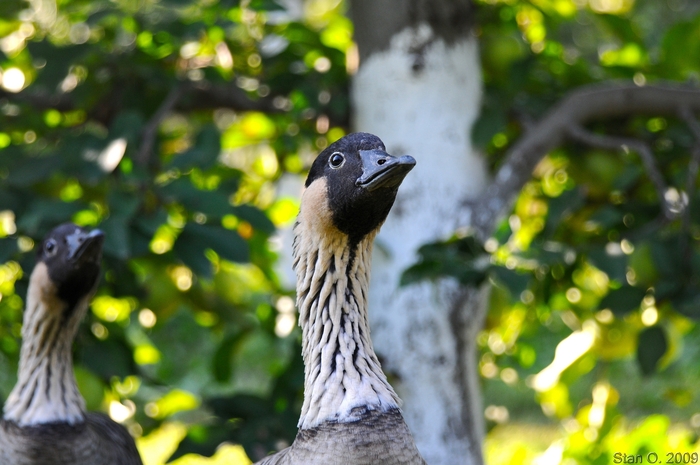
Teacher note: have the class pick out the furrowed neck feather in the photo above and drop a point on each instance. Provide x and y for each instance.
(343, 377)
(46, 390)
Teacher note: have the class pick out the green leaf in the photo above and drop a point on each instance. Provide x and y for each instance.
(256, 217)
(203, 154)
(32, 170)
(621, 27)
(515, 281)
(681, 61)
(117, 241)
(178, 3)
(127, 124)
(44, 214)
(223, 358)
(427, 269)
(212, 203)
(615, 266)
(196, 238)
(8, 247)
(667, 255)
(651, 347)
(191, 252)
(607, 217)
(667, 289)
(239, 406)
(203, 440)
(559, 207)
(266, 5)
(687, 302)
(107, 358)
(10, 200)
(122, 204)
(623, 300)
(149, 224)
(118, 238)
(59, 60)
(92, 388)
(10, 8)
(629, 176)
(491, 122)
(456, 258)
(228, 244)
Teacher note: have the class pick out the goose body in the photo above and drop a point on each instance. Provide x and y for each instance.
(375, 438)
(44, 418)
(351, 414)
(95, 441)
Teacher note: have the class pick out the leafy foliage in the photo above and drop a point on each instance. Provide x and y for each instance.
(166, 124)
(594, 298)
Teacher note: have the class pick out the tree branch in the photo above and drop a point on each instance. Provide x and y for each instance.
(582, 106)
(203, 95)
(690, 182)
(200, 95)
(40, 100)
(694, 164)
(580, 134)
(688, 117)
(151, 130)
(691, 179)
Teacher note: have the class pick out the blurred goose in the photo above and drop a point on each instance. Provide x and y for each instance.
(44, 421)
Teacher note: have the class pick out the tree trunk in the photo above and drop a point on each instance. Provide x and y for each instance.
(418, 88)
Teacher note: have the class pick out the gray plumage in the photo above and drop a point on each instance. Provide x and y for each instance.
(44, 419)
(96, 441)
(375, 439)
(350, 414)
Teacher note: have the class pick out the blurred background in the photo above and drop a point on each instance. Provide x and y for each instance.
(182, 128)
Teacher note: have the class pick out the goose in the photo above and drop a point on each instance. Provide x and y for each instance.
(350, 414)
(44, 420)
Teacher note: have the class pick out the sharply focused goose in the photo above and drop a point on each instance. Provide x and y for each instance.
(350, 414)
(44, 420)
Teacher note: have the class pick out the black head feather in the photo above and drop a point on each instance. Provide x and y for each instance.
(362, 181)
(72, 257)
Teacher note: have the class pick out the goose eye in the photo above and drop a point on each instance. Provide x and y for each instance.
(337, 160)
(50, 247)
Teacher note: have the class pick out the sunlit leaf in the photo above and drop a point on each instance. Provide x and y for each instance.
(630, 55)
(175, 401)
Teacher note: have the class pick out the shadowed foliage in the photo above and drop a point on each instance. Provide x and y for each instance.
(169, 125)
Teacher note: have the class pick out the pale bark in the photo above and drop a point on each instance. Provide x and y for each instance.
(419, 89)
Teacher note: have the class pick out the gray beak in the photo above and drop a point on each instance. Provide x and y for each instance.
(379, 169)
(85, 246)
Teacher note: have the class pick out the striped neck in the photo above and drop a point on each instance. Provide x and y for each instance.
(343, 378)
(46, 390)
